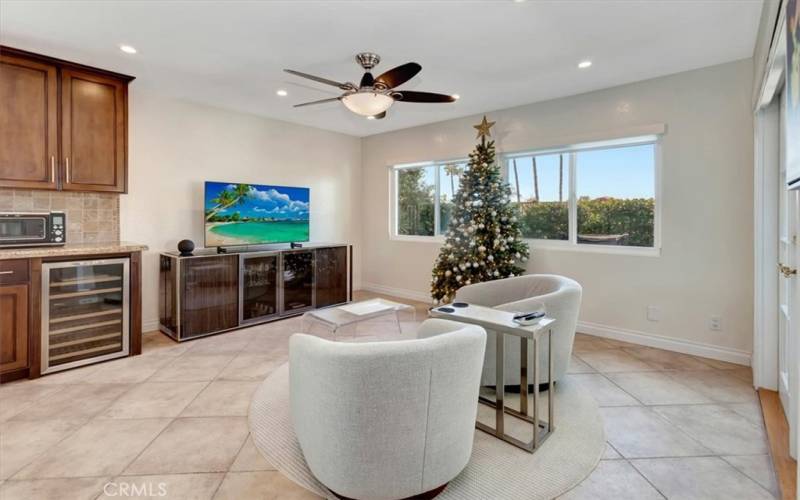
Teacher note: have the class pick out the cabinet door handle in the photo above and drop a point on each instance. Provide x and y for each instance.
(53, 168)
(66, 162)
(6, 272)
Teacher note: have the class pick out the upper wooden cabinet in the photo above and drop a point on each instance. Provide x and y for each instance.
(93, 132)
(62, 125)
(28, 123)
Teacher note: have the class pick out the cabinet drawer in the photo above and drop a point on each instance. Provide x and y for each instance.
(13, 271)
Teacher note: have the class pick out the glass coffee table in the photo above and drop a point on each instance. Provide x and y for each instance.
(353, 313)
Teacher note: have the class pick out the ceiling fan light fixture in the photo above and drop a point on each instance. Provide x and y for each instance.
(367, 103)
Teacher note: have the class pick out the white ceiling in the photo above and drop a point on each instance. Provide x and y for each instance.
(494, 54)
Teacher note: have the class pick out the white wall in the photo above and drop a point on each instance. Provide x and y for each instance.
(175, 146)
(706, 264)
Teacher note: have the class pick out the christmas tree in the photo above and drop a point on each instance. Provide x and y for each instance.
(484, 241)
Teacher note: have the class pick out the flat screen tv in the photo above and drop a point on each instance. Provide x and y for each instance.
(254, 214)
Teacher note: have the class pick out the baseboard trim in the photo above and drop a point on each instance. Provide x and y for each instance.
(667, 343)
(595, 329)
(149, 325)
(402, 293)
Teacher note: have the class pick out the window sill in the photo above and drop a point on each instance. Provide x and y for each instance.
(551, 245)
(417, 239)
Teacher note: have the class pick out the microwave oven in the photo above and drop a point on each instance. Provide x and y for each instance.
(21, 229)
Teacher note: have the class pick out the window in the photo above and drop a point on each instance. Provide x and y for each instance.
(416, 201)
(595, 194)
(540, 187)
(424, 196)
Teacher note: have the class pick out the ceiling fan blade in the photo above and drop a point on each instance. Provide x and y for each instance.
(411, 96)
(399, 75)
(343, 86)
(331, 99)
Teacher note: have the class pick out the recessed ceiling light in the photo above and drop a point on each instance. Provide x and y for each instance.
(127, 49)
(584, 64)
(456, 96)
(282, 93)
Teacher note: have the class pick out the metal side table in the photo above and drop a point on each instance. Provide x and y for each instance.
(501, 322)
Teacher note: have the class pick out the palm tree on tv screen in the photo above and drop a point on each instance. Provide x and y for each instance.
(226, 199)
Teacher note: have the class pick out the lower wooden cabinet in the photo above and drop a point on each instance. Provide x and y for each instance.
(13, 328)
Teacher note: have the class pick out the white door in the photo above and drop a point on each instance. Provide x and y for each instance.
(788, 295)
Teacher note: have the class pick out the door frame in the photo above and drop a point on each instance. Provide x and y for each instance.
(766, 129)
(766, 191)
(765, 289)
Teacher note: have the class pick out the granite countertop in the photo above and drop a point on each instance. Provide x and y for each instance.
(103, 247)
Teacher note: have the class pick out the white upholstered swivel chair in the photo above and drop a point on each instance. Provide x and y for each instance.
(387, 420)
(561, 297)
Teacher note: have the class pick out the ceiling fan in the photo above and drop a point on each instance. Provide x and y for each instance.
(373, 96)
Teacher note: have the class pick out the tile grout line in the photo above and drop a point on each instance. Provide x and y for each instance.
(657, 415)
(746, 474)
(646, 479)
(172, 419)
(89, 420)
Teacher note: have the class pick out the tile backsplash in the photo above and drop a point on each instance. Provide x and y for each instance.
(91, 217)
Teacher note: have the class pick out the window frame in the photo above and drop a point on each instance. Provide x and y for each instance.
(394, 170)
(572, 244)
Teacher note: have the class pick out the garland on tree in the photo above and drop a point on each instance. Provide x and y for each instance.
(483, 241)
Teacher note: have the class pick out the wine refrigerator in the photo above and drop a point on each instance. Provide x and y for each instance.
(85, 312)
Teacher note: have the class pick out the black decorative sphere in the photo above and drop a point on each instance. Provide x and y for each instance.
(185, 247)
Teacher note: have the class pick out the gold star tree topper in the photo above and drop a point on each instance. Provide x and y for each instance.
(483, 128)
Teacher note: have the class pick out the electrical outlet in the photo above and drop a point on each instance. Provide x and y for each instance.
(715, 323)
(653, 313)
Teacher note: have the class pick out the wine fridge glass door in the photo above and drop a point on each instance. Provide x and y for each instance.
(85, 312)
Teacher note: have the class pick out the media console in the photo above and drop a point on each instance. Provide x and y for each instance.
(208, 292)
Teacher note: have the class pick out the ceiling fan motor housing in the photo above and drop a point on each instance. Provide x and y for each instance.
(368, 60)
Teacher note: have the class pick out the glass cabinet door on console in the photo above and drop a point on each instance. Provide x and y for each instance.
(258, 278)
(331, 277)
(210, 300)
(85, 312)
(298, 281)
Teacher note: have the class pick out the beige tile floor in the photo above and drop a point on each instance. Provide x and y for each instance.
(173, 421)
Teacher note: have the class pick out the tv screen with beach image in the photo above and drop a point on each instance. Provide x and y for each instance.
(253, 214)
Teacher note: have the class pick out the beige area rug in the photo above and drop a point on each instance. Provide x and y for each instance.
(496, 470)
